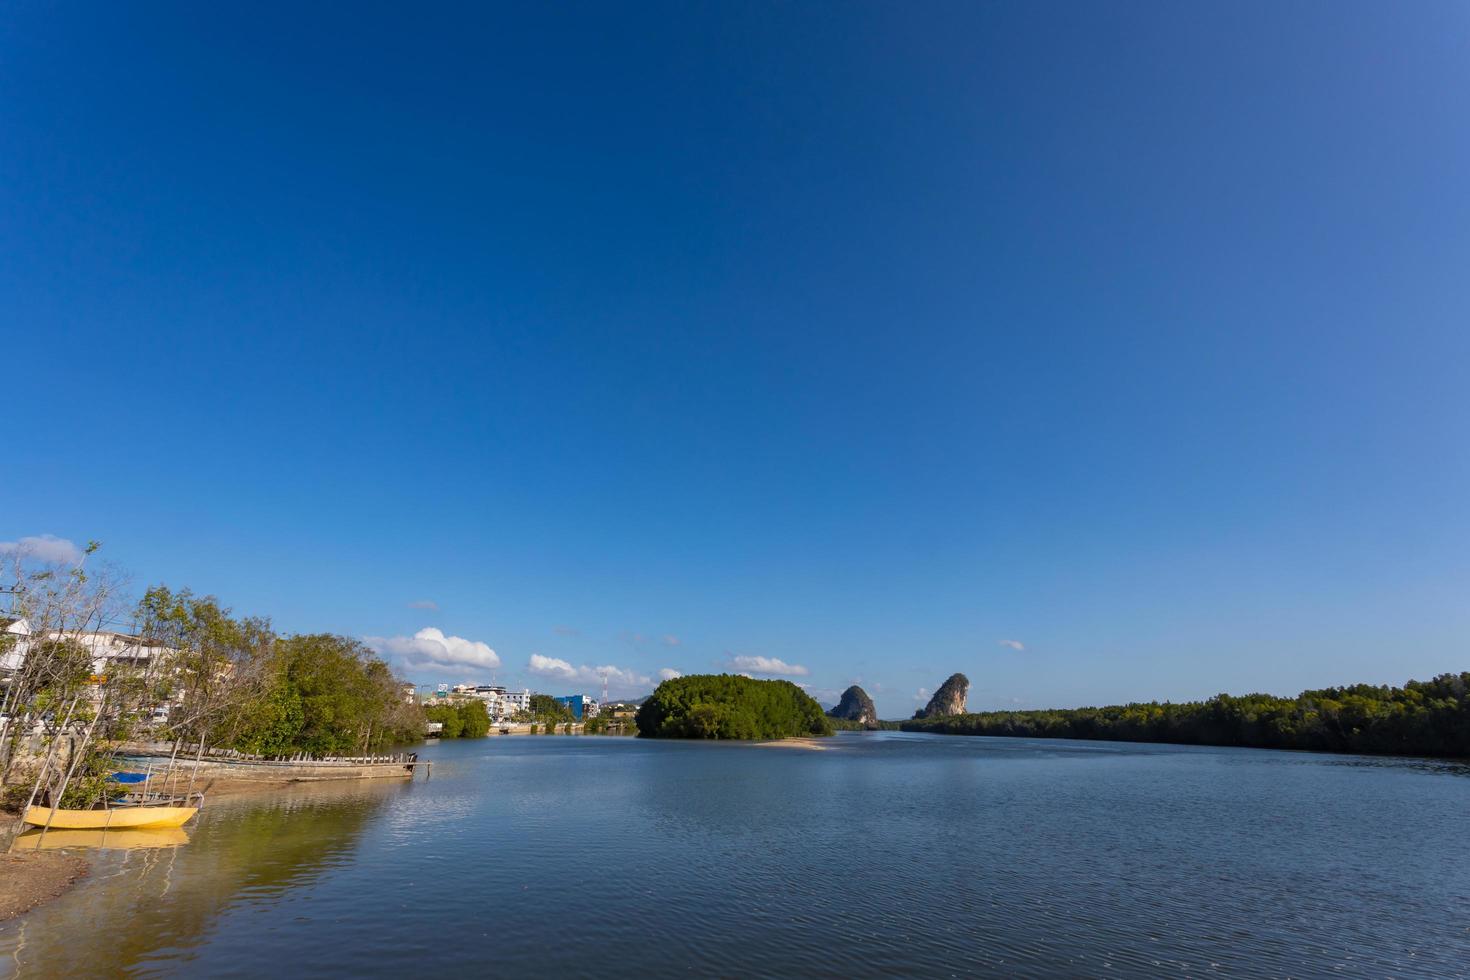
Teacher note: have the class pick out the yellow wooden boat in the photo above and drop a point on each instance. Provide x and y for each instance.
(115, 818)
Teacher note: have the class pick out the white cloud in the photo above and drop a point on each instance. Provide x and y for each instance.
(670, 640)
(43, 547)
(430, 649)
(550, 666)
(769, 666)
(669, 673)
(1013, 644)
(617, 677)
(424, 604)
(922, 694)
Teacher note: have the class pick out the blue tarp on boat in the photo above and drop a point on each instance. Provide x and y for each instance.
(128, 777)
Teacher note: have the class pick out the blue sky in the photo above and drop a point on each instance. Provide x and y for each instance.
(851, 337)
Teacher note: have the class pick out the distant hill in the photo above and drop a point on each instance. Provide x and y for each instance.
(855, 707)
(728, 706)
(948, 700)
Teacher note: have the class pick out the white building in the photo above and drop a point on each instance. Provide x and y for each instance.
(121, 649)
(110, 652)
(499, 703)
(17, 635)
(108, 649)
(514, 701)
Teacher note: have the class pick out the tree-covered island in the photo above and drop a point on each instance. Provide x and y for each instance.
(730, 706)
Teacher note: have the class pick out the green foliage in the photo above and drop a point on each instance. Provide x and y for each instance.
(448, 716)
(70, 664)
(1421, 718)
(461, 719)
(324, 694)
(545, 708)
(244, 687)
(475, 718)
(600, 725)
(224, 664)
(88, 783)
(730, 706)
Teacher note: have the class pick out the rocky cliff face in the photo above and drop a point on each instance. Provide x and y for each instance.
(856, 706)
(948, 700)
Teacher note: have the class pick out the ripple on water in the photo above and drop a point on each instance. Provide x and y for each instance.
(888, 855)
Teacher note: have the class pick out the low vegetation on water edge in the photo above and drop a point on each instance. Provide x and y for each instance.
(1430, 718)
(547, 711)
(732, 707)
(465, 719)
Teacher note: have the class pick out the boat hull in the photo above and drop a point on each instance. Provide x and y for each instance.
(132, 817)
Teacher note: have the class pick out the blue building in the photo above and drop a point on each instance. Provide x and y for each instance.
(582, 706)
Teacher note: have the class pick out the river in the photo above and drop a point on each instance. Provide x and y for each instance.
(885, 854)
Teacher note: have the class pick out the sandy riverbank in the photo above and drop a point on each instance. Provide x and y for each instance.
(28, 880)
(810, 744)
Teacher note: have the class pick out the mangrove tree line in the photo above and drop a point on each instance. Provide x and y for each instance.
(1429, 718)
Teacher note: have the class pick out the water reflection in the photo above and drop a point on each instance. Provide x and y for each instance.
(1414, 764)
(150, 900)
(111, 840)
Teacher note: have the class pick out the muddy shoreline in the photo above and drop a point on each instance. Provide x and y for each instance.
(29, 880)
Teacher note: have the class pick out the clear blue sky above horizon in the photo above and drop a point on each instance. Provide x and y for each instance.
(861, 337)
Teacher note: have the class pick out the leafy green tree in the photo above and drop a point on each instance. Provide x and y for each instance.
(237, 684)
(728, 706)
(327, 695)
(547, 708)
(448, 716)
(474, 720)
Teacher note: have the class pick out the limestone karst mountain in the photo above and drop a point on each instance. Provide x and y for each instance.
(948, 700)
(856, 706)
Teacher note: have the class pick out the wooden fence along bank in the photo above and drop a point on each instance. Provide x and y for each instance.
(226, 764)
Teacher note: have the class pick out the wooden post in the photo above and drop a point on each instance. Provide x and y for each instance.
(46, 764)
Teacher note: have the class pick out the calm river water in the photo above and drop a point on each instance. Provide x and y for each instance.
(885, 855)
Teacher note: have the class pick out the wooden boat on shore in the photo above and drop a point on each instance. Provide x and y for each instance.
(141, 816)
